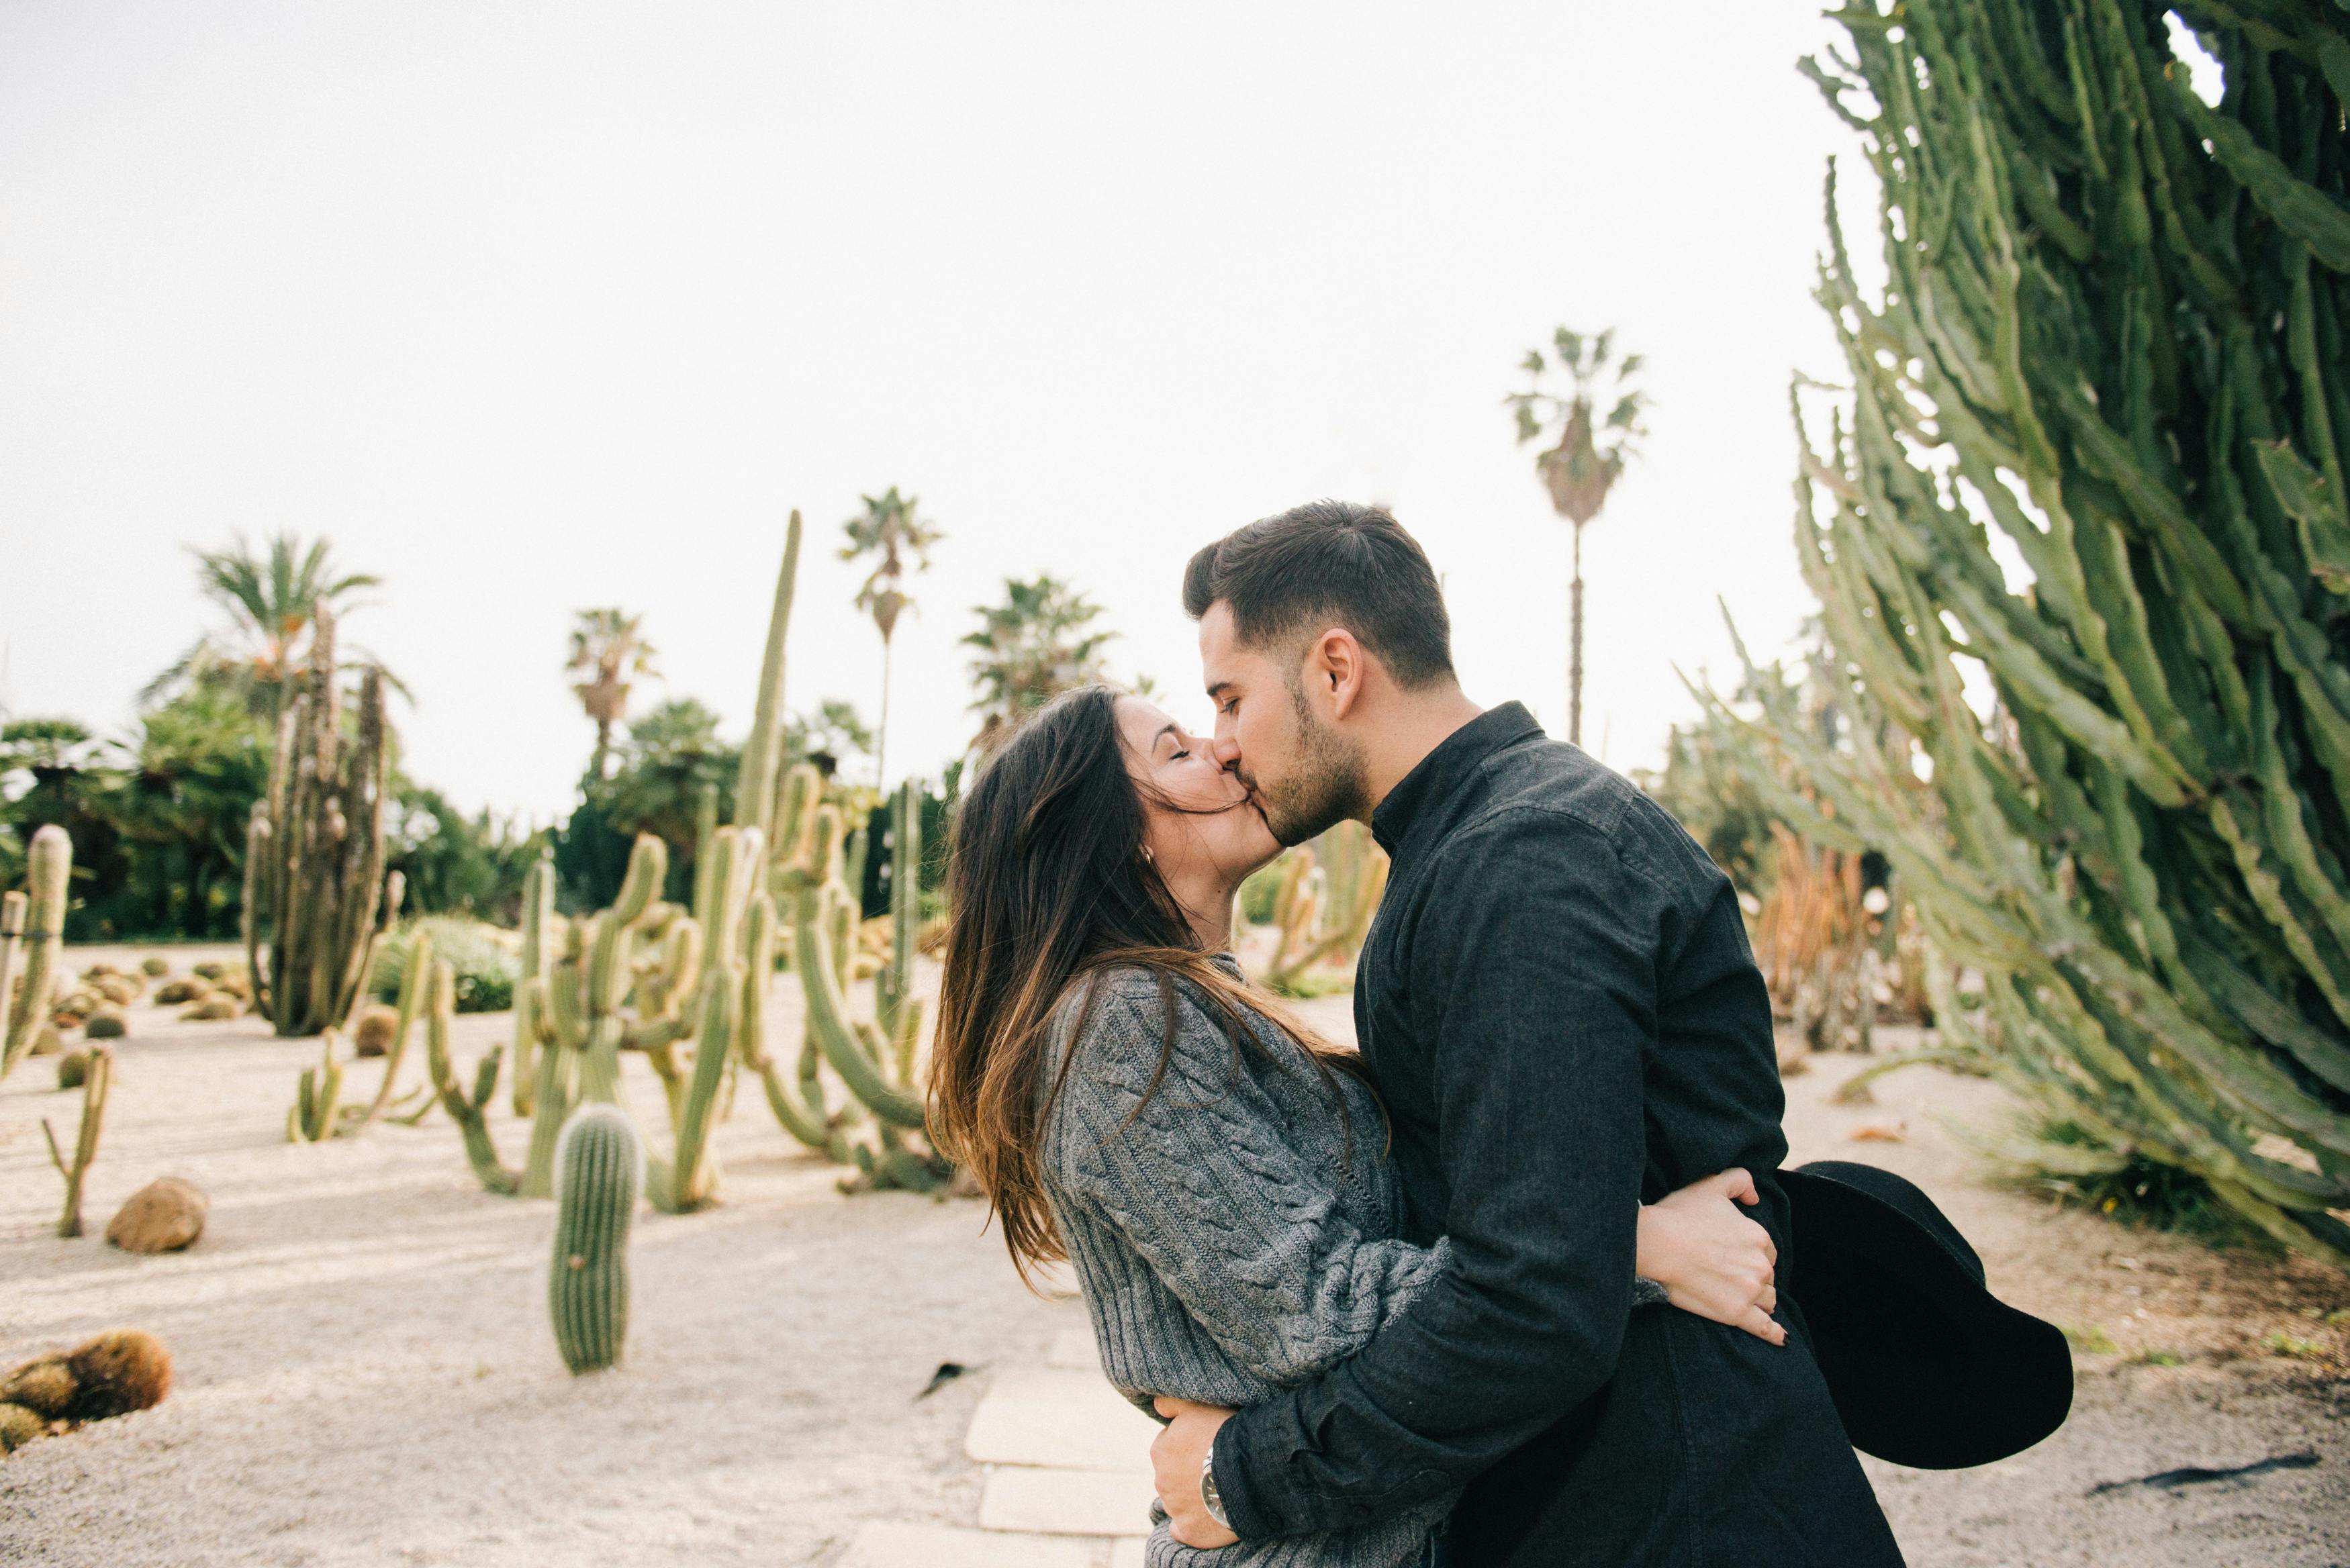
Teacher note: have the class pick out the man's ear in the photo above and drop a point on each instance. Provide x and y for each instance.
(1339, 669)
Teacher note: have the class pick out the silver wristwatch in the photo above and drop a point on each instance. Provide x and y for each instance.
(1208, 1494)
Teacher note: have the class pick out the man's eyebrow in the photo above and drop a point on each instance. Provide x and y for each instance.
(1218, 688)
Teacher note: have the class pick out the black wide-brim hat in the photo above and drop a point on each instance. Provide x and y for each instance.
(1927, 1368)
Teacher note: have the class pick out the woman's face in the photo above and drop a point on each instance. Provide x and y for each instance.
(1201, 821)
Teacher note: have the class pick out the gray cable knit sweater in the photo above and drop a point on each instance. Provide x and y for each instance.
(1234, 1236)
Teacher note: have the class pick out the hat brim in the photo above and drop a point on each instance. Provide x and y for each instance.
(1927, 1368)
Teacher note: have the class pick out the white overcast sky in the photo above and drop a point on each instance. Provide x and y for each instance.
(536, 308)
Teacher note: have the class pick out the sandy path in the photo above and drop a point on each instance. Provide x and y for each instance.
(366, 1374)
(365, 1371)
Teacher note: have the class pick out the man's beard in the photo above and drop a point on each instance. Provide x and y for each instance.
(1328, 785)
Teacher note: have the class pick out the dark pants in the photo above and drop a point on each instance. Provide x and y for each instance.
(1709, 1448)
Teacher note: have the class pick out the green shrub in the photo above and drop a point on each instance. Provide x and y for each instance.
(486, 959)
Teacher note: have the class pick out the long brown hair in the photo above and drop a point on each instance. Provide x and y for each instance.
(1050, 888)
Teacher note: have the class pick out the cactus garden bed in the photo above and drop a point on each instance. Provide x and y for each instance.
(366, 1372)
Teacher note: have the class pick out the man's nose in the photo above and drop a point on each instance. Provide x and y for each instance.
(1227, 748)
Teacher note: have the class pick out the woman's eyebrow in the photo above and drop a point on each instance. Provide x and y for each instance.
(1165, 731)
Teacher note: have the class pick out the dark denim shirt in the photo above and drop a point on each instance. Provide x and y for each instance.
(1560, 1008)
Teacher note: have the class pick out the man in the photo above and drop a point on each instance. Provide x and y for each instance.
(1559, 1006)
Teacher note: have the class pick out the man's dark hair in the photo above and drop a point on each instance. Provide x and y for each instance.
(1329, 563)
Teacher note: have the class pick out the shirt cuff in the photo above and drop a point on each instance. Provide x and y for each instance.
(1236, 1487)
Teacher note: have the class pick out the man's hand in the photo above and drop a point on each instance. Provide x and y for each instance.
(1711, 1260)
(1177, 1454)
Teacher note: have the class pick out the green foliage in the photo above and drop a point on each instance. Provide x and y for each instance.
(157, 822)
(2109, 350)
(2065, 1161)
(1036, 645)
(272, 602)
(456, 864)
(483, 962)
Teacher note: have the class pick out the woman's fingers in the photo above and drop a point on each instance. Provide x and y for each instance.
(1769, 1300)
(1759, 1324)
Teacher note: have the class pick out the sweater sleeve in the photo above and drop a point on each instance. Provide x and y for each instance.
(1201, 1177)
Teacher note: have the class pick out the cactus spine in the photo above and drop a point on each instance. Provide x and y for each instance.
(314, 852)
(2112, 333)
(597, 1160)
(98, 1077)
(33, 921)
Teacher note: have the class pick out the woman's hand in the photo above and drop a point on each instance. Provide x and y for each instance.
(1711, 1260)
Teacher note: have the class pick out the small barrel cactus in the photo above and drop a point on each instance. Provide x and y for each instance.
(107, 1023)
(155, 966)
(599, 1165)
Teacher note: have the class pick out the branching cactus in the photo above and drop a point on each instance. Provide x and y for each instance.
(314, 865)
(98, 1078)
(466, 1109)
(691, 1180)
(598, 1161)
(317, 1112)
(316, 1098)
(34, 922)
(1322, 912)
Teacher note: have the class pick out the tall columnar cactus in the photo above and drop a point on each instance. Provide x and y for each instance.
(2111, 347)
(689, 1179)
(34, 923)
(98, 1077)
(314, 859)
(598, 1159)
(1323, 903)
(530, 1061)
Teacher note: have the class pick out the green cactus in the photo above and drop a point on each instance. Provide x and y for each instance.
(98, 1077)
(33, 921)
(528, 1055)
(598, 1157)
(467, 1109)
(1322, 910)
(689, 1179)
(314, 862)
(2111, 347)
(317, 1095)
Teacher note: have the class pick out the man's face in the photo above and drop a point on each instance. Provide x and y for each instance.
(1304, 775)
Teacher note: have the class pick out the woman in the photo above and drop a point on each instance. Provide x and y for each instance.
(1214, 1174)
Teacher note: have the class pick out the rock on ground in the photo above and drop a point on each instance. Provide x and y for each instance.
(163, 1216)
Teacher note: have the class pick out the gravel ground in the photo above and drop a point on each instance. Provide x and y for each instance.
(364, 1374)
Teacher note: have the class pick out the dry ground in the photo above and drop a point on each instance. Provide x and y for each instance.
(365, 1376)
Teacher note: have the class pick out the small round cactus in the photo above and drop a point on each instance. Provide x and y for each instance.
(73, 1069)
(174, 991)
(121, 1370)
(599, 1163)
(155, 966)
(377, 1025)
(106, 1024)
(210, 1009)
(20, 1425)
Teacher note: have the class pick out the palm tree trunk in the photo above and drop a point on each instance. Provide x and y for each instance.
(603, 747)
(881, 735)
(1575, 646)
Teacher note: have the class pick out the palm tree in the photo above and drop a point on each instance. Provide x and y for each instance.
(1033, 647)
(1585, 465)
(272, 603)
(890, 529)
(610, 644)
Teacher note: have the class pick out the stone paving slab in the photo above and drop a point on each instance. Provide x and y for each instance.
(883, 1545)
(1066, 1502)
(1075, 1347)
(1059, 1416)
